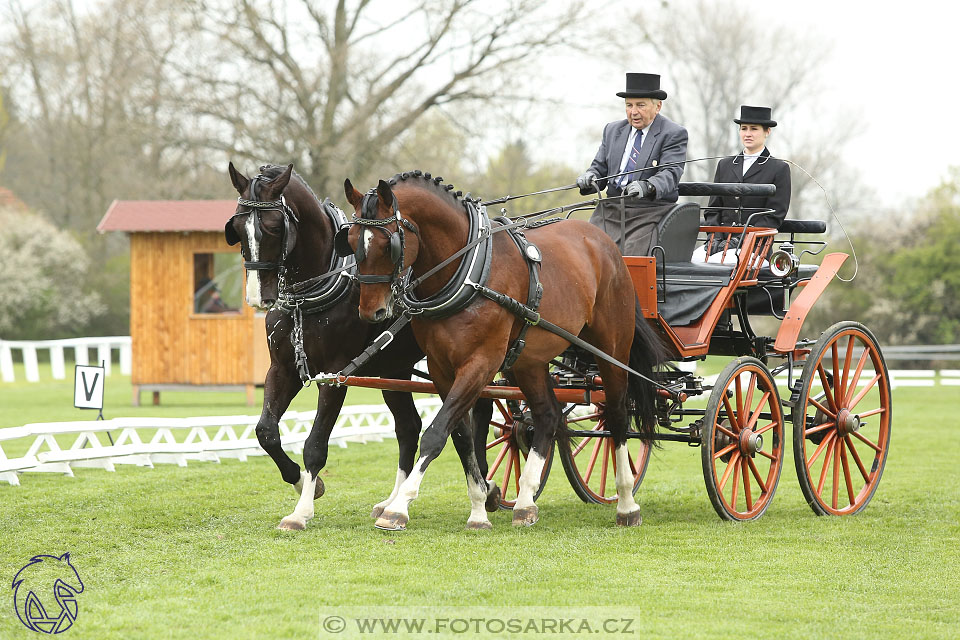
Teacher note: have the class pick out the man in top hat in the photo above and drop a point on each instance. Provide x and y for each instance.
(653, 145)
(754, 165)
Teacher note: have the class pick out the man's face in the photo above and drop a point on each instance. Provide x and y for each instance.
(641, 111)
(753, 136)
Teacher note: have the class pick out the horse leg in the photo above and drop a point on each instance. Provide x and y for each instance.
(482, 413)
(280, 387)
(462, 394)
(477, 487)
(617, 421)
(329, 402)
(408, 425)
(545, 410)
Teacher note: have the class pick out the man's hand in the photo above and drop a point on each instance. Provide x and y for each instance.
(587, 182)
(640, 189)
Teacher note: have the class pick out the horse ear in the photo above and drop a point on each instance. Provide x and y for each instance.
(354, 197)
(385, 193)
(66, 556)
(240, 181)
(276, 186)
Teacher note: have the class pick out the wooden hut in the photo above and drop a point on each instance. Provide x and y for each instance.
(189, 326)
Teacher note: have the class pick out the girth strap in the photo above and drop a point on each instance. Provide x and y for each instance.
(531, 255)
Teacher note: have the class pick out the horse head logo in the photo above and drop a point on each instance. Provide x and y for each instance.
(45, 593)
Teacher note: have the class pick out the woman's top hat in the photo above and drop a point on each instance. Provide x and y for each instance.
(755, 115)
(643, 85)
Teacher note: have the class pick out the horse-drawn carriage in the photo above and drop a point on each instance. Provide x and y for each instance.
(839, 392)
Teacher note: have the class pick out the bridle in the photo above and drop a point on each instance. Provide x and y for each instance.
(254, 207)
(396, 239)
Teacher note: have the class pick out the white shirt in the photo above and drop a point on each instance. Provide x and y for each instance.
(749, 159)
(629, 149)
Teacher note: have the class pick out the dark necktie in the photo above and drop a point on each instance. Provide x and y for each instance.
(632, 160)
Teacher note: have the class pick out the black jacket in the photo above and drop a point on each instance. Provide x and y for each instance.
(765, 170)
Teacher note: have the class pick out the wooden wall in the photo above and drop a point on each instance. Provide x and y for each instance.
(171, 344)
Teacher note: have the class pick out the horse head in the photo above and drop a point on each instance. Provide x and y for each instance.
(33, 585)
(382, 248)
(266, 227)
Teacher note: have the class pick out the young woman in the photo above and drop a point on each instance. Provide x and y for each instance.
(753, 165)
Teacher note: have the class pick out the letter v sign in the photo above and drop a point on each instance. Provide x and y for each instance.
(88, 387)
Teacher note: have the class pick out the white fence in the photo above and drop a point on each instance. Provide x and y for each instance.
(148, 441)
(104, 346)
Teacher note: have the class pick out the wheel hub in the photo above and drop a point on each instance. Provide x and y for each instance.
(847, 422)
(750, 442)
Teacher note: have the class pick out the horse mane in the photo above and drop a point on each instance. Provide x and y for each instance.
(434, 184)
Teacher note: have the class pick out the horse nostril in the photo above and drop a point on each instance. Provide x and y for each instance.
(379, 315)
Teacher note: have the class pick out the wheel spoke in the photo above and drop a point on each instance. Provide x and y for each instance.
(846, 472)
(748, 402)
(739, 398)
(731, 415)
(726, 431)
(826, 386)
(872, 412)
(856, 458)
(864, 391)
(730, 465)
(846, 368)
(604, 465)
(725, 450)
(836, 373)
(746, 483)
(496, 463)
(736, 485)
(767, 455)
(836, 470)
(820, 427)
(756, 414)
(587, 418)
(823, 445)
(583, 443)
(593, 460)
(867, 442)
(493, 443)
(814, 402)
(826, 466)
(766, 428)
(756, 475)
(506, 470)
(516, 472)
(856, 376)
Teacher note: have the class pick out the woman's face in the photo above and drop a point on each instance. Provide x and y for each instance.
(754, 137)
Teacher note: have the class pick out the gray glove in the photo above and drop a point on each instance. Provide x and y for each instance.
(640, 189)
(587, 182)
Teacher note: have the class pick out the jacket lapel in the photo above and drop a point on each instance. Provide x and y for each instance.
(648, 142)
(757, 165)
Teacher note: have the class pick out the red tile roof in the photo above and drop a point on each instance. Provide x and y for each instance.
(167, 215)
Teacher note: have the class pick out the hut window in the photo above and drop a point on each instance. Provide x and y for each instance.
(217, 282)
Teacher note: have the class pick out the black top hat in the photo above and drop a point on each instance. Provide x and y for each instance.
(755, 115)
(643, 85)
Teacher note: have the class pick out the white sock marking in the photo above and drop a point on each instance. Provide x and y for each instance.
(530, 479)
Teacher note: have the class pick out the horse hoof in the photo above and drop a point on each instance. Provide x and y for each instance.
(631, 519)
(493, 498)
(292, 523)
(526, 516)
(377, 511)
(478, 525)
(390, 521)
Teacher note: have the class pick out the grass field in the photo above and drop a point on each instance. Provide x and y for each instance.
(193, 552)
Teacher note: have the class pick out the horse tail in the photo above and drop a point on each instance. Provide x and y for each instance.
(646, 354)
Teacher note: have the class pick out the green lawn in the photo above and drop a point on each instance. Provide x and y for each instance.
(193, 552)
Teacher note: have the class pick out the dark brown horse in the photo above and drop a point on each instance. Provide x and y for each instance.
(282, 228)
(414, 222)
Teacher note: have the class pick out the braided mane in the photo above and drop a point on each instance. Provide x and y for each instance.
(434, 184)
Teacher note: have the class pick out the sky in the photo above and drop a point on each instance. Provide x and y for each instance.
(893, 68)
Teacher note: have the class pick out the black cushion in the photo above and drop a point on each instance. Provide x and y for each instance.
(677, 232)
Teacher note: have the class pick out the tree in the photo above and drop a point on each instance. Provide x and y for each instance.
(333, 87)
(49, 295)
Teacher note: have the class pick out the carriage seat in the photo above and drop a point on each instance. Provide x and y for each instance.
(677, 232)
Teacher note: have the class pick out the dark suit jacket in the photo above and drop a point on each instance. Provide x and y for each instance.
(665, 142)
(766, 170)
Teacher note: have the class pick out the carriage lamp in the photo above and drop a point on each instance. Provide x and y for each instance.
(783, 262)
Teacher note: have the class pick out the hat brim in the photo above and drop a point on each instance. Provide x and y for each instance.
(762, 123)
(658, 94)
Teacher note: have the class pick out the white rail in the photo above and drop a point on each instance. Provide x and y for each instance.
(148, 441)
(104, 346)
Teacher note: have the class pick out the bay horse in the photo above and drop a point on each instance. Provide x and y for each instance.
(286, 238)
(411, 225)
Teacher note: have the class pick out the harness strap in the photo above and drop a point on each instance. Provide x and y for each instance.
(534, 293)
(377, 345)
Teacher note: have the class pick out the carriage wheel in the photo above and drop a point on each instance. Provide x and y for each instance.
(508, 443)
(742, 440)
(590, 462)
(841, 423)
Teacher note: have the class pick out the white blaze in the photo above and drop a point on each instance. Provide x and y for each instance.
(253, 276)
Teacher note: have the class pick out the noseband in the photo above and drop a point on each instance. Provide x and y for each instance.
(253, 207)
